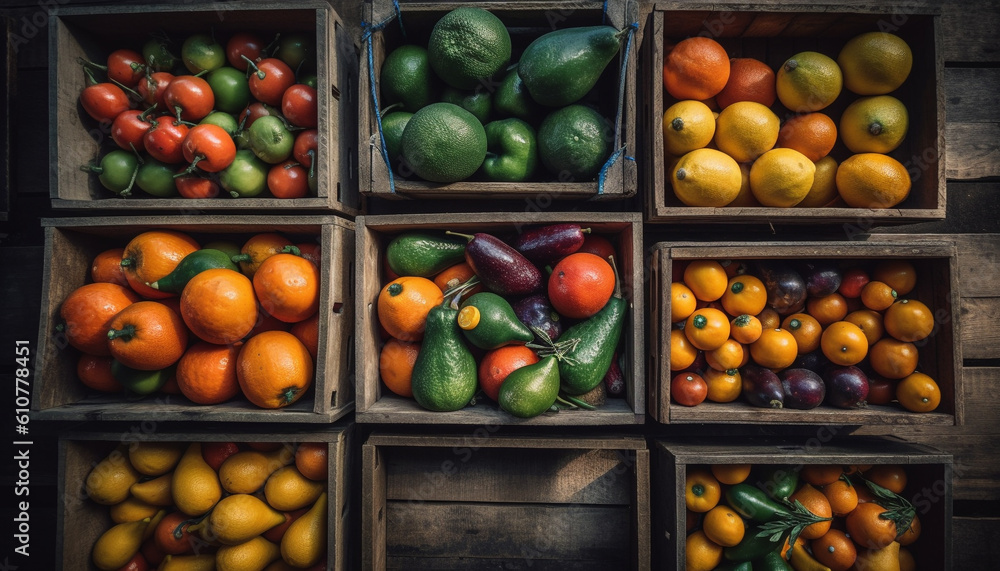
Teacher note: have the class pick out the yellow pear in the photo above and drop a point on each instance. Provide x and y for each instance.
(203, 562)
(155, 458)
(288, 490)
(194, 485)
(132, 509)
(251, 555)
(119, 544)
(108, 482)
(238, 518)
(304, 543)
(885, 559)
(155, 492)
(245, 472)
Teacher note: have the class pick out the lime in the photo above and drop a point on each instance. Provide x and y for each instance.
(468, 45)
(443, 143)
(574, 142)
(407, 78)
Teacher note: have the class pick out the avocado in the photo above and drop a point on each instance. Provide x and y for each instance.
(489, 322)
(531, 390)
(444, 376)
(423, 254)
(560, 67)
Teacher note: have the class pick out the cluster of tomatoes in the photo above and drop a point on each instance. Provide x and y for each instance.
(208, 321)
(240, 119)
(797, 336)
(806, 517)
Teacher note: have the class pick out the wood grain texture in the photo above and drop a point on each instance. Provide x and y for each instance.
(968, 31)
(971, 95)
(980, 339)
(981, 532)
(973, 152)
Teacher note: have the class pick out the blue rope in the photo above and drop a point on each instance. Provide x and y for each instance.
(604, 12)
(632, 28)
(366, 38)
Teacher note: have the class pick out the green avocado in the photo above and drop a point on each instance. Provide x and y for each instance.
(423, 254)
(444, 376)
(489, 322)
(531, 390)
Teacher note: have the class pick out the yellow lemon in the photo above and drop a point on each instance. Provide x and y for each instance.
(824, 187)
(808, 81)
(706, 177)
(872, 180)
(781, 177)
(745, 130)
(687, 125)
(874, 124)
(745, 198)
(875, 63)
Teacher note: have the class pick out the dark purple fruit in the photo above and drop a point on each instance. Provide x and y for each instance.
(614, 379)
(815, 361)
(822, 278)
(761, 387)
(501, 268)
(547, 244)
(536, 311)
(804, 389)
(846, 387)
(786, 290)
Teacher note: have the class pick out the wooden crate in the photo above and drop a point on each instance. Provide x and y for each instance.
(76, 139)
(525, 21)
(940, 355)
(490, 501)
(81, 521)
(377, 404)
(71, 244)
(928, 488)
(772, 33)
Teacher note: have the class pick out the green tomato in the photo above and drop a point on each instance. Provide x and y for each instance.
(201, 52)
(309, 79)
(231, 89)
(222, 119)
(116, 171)
(270, 140)
(297, 51)
(245, 177)
(157, 178)
(158, 56)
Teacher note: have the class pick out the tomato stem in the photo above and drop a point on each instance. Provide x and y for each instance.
(88, 63)
(272, 47)
(91, 80)
(250, 64)
(126, 89)
(191, 167)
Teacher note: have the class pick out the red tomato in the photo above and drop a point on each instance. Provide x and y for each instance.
(137, 563)
(192, 95)
(300, 106)
(688, 389)
(598, 245)
(310, 251)
(852, 282)
(104, 101)
(255, 111)
(128, 129)
(270, 80)
(194, 186)
(126, 67)
(215, 453)
(240, 45)
(167, 541)
(306, 146)
(164, 138)
(209, 147)
(152, 87)
(880, 390)
(288, 180)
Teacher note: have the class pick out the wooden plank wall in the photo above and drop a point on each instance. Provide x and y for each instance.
(971, 52)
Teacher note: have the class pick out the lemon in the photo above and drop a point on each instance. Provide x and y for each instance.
(745, 198)
(872, 180)
(808, 81)
(874, 124)
(781, 177)
(706, 177)
(824, 187)
(745, 130)
(875, 63)
(687, 125)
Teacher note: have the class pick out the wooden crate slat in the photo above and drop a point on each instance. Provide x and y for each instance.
(980, 340)
(972, 150)
(486, 438)
(970, 96)
(968, 31)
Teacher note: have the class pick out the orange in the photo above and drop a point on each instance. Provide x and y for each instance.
(580, 285)
(307, 331)
(701, 490)
(912, 533)
(898, 274)
(815, 502)
(890, 476)
(274, 369)
(206, 373)
(744, 294)
(403, 305)
(775, 349)
(843, 343)
(812, 134)
(147, 335)
(287, 287)
(395, 365)
(870, 323)
(769, 318)
(918, 392)
(456, 275)
(723, 526)
(746, 130)
(842, 495)
(94, 371)
(872, 180)
(835, 550)
(695, 68)
(867, 529)
(729, 355)
(152, 255)
(878, 296)
(707, 328)
(688, 389)
(498, 363)
(682, 302)
(745, 328)
(219, 306)
(701, 553)
(730, 474)
(258, 248)
(749, 80)
(311, 460)
(707, 279)
(723, 386)
(893, 359)
(107, 267)
(682, 352)
(828, 308)
(820, 474)
(88, 310)
(908, 320)
(805, 329)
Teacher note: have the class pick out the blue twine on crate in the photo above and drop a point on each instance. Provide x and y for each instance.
(604, 12)
(632, 28)
(370, 29)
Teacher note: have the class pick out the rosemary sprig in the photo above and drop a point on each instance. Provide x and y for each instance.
(798, 519)
(898, 509)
